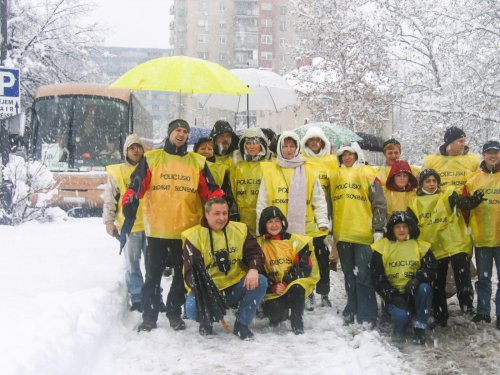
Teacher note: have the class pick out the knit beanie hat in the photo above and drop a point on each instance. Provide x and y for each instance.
(179, 123)
(426, 173)
(452, 134)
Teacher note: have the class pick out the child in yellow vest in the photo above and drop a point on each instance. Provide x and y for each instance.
(400, 187)
(291, 269)
(403, 269)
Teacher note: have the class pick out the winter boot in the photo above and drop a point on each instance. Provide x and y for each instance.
(348, 319)
(146, 326)
(498, 321)
(297, 324)
(481, 318)
(136, 306)
(418, 336)
(325, 302)
(310, 302)
(177, 323)
(242, 331)
(206, 329)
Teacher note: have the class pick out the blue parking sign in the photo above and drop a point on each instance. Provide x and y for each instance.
(9, 82)
(10, 104)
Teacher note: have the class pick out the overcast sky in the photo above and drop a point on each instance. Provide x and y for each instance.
(135, 23)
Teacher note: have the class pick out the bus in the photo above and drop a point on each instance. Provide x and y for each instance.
(77, 129)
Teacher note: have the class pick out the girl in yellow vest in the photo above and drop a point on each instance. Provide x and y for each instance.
(291, 269)
(400, 187)
(246, 175)
(403, 270)
(485, 226)
(359, 217)
(220, 173)
(291, 183)
(441, 223)
(316, 149)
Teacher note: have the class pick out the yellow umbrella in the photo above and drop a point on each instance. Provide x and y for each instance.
(182, 74)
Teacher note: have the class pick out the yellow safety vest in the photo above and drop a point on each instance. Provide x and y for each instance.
(325, 165)
(245, 183)
(352, 210)
(218, 171)
(384, 170)
(401, 259)
(227, 160)
(485, 218)
(453, 170)
(397, 200)
(172, 203)
(443, 227)
(277, 181)
(236, 235)
(121, 174)
(280, 257)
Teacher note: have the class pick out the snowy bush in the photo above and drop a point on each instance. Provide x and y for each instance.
(28, 188)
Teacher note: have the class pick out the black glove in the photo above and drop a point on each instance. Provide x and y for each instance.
(477, 198)
(412, 286)
(401, 301)
(130, 209)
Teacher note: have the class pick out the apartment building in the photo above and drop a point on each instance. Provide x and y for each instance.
(235, 34)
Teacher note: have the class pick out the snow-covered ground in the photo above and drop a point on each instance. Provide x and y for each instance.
(64, 311)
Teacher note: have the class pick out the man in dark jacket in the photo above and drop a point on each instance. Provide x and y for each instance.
(225, 141)
(233, 259)
(171, 182)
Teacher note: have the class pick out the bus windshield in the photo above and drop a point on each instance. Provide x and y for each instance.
(79, 133)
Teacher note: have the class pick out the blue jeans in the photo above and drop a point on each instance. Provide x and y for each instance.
(484, 264)
(423, 304)
(355, 261)
(135, 245)
(248, 300)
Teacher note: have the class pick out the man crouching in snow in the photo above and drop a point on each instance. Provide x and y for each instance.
(233, 259)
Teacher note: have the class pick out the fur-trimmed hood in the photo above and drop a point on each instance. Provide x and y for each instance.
(258, 134)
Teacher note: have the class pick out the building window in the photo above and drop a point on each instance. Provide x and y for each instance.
(222, 39)
(266, 6)
(282, 58)
(282, 26)
(283, 10)
(222, 24)
(265, 55)
(202, 6)
(222, 7)
(266, 39)
(203, 23)
(202, 38)
(203, 55)
(222, 56)
(266, 22)
(282, 42)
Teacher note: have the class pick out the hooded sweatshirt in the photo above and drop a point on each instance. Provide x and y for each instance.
(397, 198)
(219, 128)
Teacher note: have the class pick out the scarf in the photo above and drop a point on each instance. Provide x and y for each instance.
(321, 152)
(296, 194)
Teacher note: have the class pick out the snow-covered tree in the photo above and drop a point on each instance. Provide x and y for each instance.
(50, 42)
(347, 80)
(446, 57)
(28, 189)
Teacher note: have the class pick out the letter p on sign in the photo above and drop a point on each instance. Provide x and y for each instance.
(7, 81)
